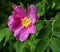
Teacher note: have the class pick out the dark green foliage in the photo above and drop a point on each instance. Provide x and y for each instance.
(47, 36)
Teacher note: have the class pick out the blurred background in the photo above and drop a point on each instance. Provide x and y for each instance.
(47, 37)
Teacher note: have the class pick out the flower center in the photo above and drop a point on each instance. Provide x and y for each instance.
(26, 22)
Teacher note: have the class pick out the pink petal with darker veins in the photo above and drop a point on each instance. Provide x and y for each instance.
(37, 16)
(18, 31)
(10, 19)
(13, 24)
(31, 13)
(20, 10)
(26, 31)
(16, 15)
(32, 28)
(24, 34)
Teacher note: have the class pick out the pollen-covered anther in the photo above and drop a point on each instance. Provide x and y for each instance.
(26, 22)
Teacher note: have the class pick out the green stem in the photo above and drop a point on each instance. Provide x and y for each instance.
(47, 49)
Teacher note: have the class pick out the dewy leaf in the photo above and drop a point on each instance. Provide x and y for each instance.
(3, 33)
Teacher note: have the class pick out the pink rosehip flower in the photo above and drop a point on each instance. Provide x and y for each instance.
(22, 22)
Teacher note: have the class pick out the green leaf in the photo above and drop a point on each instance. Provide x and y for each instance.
(20, 46)
(55, 45)
(44, 37)
(33, 45)
(41, 47)
(17, 46)
(55, 41)
(57, 34)
(39, 25)
(7, 36)
(3, 33)
(57, 4)
(27, 46)
(57, 23)
(41, 8)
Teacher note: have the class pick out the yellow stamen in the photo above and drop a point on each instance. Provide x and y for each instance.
(26, 22)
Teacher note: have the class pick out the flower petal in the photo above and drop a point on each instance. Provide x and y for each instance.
(32, 9)
(37, 16)
(18, 31)
(10, 22)
(10, 19)
(31, 13)
(32, 28)
(16, 15)
(24, 34)
(13, 24)
(20, 10)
